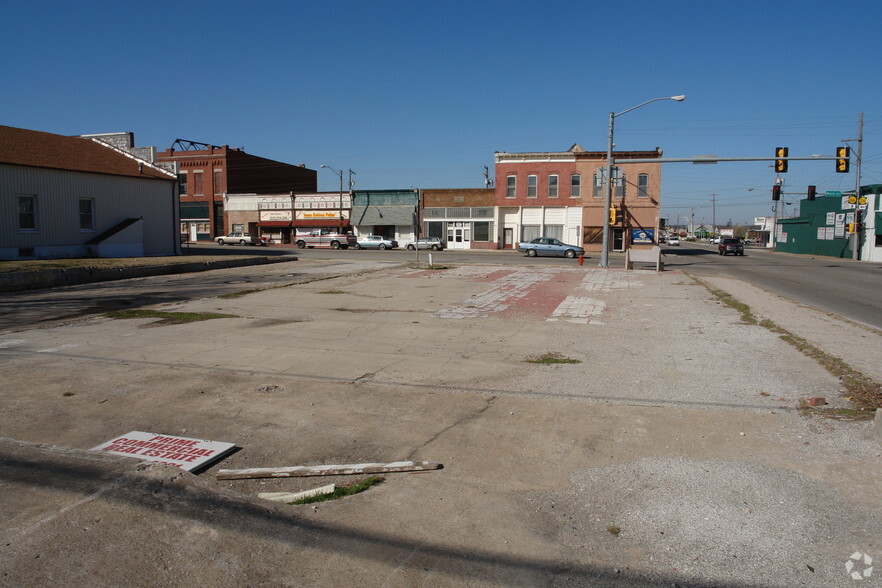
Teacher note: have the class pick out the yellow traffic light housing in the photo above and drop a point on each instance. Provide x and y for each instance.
(781, 159)
(842, 158)
(612, 215)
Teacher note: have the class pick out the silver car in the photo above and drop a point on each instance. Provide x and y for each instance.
(549, 246)
(375, 242)
(433, 243)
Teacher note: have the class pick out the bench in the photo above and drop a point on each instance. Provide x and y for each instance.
(644, 256)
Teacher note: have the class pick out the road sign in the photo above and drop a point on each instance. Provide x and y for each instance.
(834, 193)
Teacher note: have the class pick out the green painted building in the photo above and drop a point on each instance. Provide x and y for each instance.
(822, 226)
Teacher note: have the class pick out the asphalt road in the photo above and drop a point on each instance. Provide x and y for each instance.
(841, 286)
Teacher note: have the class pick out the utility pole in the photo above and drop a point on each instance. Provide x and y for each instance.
(857, 190)
(714, 217)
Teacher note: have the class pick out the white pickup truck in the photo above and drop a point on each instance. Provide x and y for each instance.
(240, 239)
(325, 238)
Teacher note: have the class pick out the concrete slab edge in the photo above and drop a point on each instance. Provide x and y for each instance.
(17, 281)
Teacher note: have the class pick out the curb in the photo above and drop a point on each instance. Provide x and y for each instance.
(18, 281)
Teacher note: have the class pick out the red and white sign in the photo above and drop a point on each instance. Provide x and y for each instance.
(183, 452)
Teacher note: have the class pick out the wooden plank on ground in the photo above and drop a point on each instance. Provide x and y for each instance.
(329, 470)
(295, 496)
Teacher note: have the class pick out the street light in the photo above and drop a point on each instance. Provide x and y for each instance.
(604, 254)
(339, 173)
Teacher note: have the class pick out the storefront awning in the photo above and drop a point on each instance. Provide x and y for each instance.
(275, 224)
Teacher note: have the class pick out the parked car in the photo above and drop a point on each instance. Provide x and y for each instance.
(433, 243)
(731, 245)
(332, 238)
(549, 246)
(375, 242)
(240, 239)
(674, 241)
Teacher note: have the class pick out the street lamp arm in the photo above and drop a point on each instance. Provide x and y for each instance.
(679, 98)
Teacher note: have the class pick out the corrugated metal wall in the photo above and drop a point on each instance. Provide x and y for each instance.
(58, 194)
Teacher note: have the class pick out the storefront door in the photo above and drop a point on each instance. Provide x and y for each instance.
(618, 239)
(459, 236)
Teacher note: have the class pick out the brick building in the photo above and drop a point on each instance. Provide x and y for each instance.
(207, 172)
(463, 218)
(561, 195)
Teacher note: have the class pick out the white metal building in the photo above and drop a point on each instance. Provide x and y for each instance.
(72, 197)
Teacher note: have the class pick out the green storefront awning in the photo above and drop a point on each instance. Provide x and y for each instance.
(879, 223)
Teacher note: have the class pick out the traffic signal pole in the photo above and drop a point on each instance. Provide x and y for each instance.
(857, 190)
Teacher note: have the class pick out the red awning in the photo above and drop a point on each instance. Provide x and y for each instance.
(274, 224)
(321, 222)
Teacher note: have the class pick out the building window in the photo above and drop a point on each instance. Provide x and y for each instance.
(218, 178)
(643, 186)
(552, 186)
(511, 184)
(87, 214)
(554, 232)
(27, 213)
(575, 186)
(182, 180)
(532, 190)
(197, 183)
(530, 232)
(481, 231)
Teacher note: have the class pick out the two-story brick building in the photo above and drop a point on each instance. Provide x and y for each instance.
(562, 194)
(207, 172)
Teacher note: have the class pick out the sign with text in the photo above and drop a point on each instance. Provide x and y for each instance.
(183, 452)
(642, 236)
(275, 215)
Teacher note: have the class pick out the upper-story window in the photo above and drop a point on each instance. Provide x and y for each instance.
(511, 185)
(217, 180)
(197, 183)
(182, 180)
(532, 187)
(552, 186)
(575, 186)
(643, 186)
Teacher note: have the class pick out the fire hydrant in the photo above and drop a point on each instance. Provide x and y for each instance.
(581, 259)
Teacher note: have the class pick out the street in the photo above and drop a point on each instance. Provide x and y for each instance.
(841, 286)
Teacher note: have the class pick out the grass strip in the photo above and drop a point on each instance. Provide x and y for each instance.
(860, 389)
(551, 359)
(342, 491)
(183, 317)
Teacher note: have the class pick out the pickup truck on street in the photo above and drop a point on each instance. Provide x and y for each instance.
(324, 238)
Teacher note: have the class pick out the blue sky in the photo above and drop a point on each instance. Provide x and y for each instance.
(422, 93)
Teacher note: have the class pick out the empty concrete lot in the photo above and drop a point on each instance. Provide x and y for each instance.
(659, 457)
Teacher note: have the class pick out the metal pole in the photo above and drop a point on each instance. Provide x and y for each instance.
(714, 217)
(857, 191)
(604, 253)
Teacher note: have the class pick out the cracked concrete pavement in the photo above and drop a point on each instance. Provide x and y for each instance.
(675, 452)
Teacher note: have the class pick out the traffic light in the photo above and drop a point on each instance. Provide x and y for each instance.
(854, 227)
(612, 215)
(776, 192)
(781, 164)
(842, 155)
(811, 192)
